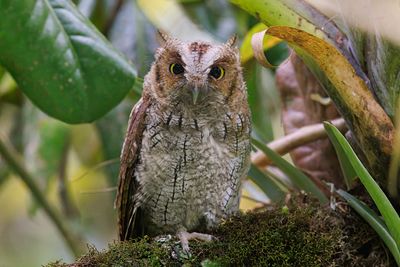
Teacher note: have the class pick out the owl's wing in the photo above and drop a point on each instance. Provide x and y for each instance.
(129, 216)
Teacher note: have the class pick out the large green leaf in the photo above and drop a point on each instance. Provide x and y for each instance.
(390, 215)
(60, 61)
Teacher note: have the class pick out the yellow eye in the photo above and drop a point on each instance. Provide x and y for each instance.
(217, 72)
(176, 68)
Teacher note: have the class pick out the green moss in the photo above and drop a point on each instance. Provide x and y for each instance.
(300, 234)
(143, 252)
(254, 240)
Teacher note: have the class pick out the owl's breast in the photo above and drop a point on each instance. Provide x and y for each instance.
(190, 168)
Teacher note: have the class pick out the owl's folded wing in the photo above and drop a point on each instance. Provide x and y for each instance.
(128, 221)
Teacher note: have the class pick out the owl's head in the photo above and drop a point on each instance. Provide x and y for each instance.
(195, 72)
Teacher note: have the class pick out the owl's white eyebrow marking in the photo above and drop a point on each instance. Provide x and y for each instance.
(198, 57)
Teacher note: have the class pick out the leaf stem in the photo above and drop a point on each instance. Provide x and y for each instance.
(14, 161)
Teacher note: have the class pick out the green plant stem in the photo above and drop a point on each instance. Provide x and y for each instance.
(11, 157)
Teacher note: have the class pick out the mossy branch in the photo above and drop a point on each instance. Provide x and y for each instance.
(11, 156)
(301, 233)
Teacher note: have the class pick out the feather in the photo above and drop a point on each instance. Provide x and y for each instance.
(129, 216)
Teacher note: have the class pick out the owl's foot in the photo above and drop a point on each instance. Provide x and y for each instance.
(185, 237)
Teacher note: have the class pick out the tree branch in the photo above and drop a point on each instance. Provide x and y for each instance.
(293, 140)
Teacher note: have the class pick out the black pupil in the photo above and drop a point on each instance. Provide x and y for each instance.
(177, 69)
(215, 72)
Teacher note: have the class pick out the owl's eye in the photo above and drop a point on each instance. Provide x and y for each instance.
(176, 68)
(217, 72)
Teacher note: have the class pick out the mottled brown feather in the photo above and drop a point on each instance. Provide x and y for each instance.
(127, 217)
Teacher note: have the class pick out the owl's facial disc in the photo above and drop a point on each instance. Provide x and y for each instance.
(196, 73)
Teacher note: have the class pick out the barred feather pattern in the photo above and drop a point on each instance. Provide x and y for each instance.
(190, 167)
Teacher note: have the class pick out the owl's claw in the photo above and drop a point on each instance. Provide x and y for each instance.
(185, 237)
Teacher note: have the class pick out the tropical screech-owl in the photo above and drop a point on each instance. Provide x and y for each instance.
(188, 142)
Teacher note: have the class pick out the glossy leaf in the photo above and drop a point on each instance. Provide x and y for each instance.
(374, 221)
(266, 184)
(60, 61)
(295, 175)
(389, 214)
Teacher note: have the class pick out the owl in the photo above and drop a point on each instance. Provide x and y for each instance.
(187, 144)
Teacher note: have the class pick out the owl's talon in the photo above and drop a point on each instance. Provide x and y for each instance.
(185, 237)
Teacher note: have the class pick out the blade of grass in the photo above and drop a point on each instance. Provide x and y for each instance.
(266, 184)
(347, 169)
(389, 214)
(296, 176)
(374, 221)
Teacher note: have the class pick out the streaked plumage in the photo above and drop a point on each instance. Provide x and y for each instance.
(188, 142)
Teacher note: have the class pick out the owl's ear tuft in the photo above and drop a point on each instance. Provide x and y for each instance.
(232, 41)
(162, 37)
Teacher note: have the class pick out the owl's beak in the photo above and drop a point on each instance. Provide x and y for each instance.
(197, 85)
(195, 94)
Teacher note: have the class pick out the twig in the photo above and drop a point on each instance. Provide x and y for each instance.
(13, 159)
(98, 166)
(103, 190)
(67, 204)
(293, 140)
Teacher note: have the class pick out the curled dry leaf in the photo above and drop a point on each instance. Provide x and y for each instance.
(246, 51)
